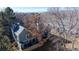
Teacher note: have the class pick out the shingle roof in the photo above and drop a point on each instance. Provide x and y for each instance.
(21, 28)
(17, 28)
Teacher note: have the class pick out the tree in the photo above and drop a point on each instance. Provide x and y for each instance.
(1, 25)
(6, 18)
(5, 44)
(66, 21)
(9, 13)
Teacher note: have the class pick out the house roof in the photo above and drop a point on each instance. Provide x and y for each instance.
(21, 28)
(17, 28)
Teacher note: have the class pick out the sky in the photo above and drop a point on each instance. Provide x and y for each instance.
(34, 9)
(28, 9)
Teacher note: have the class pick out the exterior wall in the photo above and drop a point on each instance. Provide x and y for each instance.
(23, 37)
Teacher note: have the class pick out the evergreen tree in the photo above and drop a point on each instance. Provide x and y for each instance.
(5, 44)
(6, 19)
(10, 15)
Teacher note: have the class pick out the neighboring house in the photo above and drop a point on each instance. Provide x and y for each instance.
(19, 35)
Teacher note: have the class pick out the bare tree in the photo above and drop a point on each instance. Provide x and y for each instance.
(66, 20)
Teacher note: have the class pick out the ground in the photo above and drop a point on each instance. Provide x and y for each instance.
(51, 44)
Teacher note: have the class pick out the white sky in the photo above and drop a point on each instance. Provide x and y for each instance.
(27, 9)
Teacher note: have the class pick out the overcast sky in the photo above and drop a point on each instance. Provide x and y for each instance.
(28, 9)
(31, 9)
